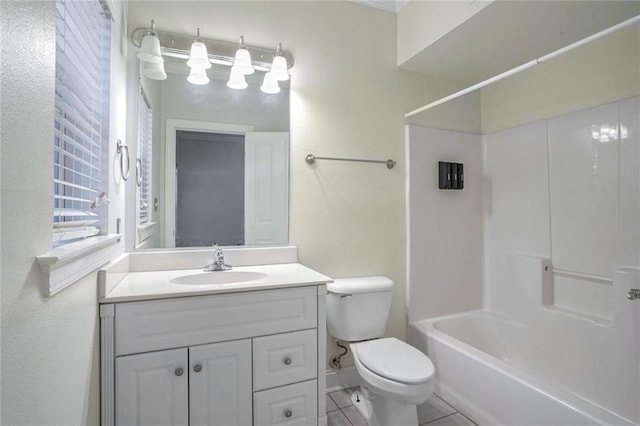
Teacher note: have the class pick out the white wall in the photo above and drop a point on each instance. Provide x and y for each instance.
(347, 100)
(445, 227)
(49, 349)
(422, 23)
(600, 72)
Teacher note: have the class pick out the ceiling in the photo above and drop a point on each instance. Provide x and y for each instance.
(388, 5)
(506, 34)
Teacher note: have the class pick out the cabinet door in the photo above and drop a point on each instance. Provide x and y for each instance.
(220, 384)
(152, 389)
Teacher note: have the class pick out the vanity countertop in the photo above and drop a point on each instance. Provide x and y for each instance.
(152, 285)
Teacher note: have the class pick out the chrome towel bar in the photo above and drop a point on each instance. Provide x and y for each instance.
(310, 159)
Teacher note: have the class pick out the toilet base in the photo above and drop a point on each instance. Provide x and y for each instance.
(380, 411)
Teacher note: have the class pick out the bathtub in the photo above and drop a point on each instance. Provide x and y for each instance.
(487, 370)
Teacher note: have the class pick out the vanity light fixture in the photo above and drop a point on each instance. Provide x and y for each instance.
(279, 66)
(236, 80)
(201, 53)
(270, 84)
(150, 46)
(242, 60)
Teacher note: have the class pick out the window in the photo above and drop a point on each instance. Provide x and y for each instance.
(143, 168)
(83, 37)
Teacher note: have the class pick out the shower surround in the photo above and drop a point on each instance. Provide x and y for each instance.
(561, 248)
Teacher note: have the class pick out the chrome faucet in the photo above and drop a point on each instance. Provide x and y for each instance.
(218, 261)
(633, 294)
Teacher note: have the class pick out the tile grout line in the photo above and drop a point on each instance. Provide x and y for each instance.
(345, 416)
(457, 411)
(466, 417)
(439, 418)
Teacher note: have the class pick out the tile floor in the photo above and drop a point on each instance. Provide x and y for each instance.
(434, 412)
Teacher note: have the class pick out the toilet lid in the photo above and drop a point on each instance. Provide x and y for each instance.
(395, 360)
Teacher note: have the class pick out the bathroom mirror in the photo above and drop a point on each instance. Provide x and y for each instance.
(219, 162)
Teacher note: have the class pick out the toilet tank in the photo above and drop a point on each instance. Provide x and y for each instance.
(358, 308)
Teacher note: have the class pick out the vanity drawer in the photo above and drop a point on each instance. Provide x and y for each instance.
(287, 405)
(170, 323)
(284, 358)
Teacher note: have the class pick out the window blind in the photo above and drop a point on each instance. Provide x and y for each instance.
(145, 140)
(81, 122)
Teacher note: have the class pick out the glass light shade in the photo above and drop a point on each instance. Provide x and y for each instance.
(242, 61)
(270, 84)
(236, 80)
(154, 71)
(198, 75)
(279, 68)
(150, 50)
(198, 57)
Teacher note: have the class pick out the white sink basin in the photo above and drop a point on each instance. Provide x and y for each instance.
(218, 277)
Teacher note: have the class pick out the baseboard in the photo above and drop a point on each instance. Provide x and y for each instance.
(341, 379)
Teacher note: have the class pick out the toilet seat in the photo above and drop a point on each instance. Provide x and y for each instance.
(395, 360)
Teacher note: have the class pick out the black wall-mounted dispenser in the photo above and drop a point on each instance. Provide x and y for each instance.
(450, 175)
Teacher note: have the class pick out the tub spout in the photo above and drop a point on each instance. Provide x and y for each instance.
(633, 294)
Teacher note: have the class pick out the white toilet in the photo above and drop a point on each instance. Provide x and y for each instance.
(395, 377)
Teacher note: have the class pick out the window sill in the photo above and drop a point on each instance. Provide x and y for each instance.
(66, 264)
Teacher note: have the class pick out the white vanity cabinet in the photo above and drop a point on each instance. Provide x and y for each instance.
(244, 358)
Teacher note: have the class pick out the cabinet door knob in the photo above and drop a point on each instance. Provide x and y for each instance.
(287, 361)
(179, 371)
(197, 368)
(288, 413)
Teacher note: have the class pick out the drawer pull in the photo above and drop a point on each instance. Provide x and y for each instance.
(288, 413)
(197, 368)
(287, 361)
(179, 371)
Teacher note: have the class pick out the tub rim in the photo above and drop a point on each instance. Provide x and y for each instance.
(556, 392)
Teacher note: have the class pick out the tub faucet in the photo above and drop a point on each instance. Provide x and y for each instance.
(633, 294)
(218, 261)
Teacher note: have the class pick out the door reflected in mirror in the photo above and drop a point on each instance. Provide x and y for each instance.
(220, 162)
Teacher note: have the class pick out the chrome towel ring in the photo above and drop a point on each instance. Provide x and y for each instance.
(138, 172)
(125, 164)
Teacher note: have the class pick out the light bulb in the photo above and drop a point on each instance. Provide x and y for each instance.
(270, 84)
(236, 80)
(198, 75)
